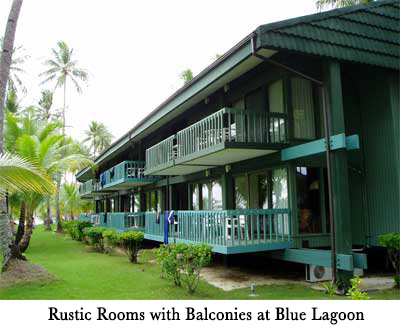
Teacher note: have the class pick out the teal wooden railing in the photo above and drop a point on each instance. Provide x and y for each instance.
(84, 217)
(226, 227)
(232, 125)
(89, 186)
(161, 153)
(124, 221)
(125, 171)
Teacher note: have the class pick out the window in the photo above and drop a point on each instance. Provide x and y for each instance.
(216, 195)
(195, 198)
(207, 196)
(153, 201)
(308, 182)
(303, 109)
(275, 97)
(242, 200)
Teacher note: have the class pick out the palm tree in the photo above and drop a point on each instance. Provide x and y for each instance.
(99, 137)
(63, 67)
(18, 174)
(9, 248)
(323, 4)
(17, 61)
(44, 112)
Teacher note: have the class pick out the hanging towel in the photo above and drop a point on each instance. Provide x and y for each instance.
(158, 216)
(166, 226)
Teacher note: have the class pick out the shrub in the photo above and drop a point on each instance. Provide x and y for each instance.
(130, 242)
(75, 228)
(95, 235)
(391, 242)
(330, 287)
(109, 237)
(354, 291)
(183, 262)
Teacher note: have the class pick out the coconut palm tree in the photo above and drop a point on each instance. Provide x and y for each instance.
(324, 4)
(9, 248)
(18, 60)
(62, 68)
(99, 137)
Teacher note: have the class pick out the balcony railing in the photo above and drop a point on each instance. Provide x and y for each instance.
(232, 125)
(229, 231)
(192, 147)
(126, 173)
(89, 186)
(120, 221)
(163, 153)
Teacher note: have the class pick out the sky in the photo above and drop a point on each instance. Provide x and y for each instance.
(133, 50)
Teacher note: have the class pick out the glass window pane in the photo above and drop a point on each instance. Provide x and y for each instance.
(241, 193)
(303, 109)
(153, 201)
(195, 197)
(204, 197)
(216, 191)
(263, 188)
(159, 200)
(136, 202)
(308, 199)
(279, 189)
(275, 97)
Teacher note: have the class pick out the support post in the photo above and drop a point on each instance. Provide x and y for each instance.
(339, 167)
(227, 192)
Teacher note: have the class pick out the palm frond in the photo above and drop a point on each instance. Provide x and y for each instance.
(19, 174)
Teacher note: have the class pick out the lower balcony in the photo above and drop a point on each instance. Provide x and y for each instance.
(227, 231)
(90, 189)
(225, 137)
(121, 222)
(125, 175)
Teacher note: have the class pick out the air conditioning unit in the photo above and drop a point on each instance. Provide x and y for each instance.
(315, 273)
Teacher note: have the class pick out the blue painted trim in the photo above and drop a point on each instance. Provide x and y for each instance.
(338, 141)
(322, 258)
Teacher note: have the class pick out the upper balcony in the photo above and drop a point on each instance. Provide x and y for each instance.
(90, 189)
(227, 136)
(125, 175)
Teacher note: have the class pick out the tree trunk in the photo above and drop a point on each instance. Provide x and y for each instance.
(6, 238)
(24, 243)
(57, 202)
(21, 223)
(48, 220)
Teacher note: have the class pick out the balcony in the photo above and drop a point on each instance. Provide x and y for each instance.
(121, 222)
(125, 175)
(227, 231)
(227, 136)
(90, 189)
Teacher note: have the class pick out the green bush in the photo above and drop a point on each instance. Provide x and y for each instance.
(130, 242)
(75, 228)
(109, 237)
(182, 262)
(354, 291)
(391, 242)
(95, 236)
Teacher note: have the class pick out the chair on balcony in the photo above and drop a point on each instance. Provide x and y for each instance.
(236, 224)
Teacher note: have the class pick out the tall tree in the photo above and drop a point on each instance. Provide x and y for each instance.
(99, 137)
(62, 68)
(324, 4)
(9, 249)
(18, 58)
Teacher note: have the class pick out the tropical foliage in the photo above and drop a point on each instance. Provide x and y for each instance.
(99, 137)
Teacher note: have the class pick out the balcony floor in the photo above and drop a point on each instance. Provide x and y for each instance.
(233, 247)
(220, 154)
(124, 184)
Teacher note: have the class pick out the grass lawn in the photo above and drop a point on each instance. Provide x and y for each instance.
(88, 275)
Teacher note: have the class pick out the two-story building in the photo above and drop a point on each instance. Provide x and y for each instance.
(240, 153)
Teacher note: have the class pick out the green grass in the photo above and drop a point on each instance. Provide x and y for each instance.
(88, 275)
